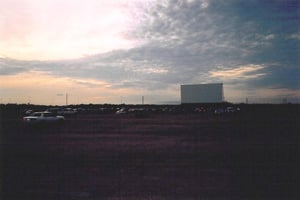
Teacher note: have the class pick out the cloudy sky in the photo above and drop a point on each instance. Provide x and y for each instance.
(116, 51)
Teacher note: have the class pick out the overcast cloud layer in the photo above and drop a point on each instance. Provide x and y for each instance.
(250, 46)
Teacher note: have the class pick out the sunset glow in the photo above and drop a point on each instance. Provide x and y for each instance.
(36, 87)
(52, 29)
(102, 51)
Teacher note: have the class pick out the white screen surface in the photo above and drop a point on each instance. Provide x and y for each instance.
(202, 93)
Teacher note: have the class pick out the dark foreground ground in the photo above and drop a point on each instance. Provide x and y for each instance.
(247, 155)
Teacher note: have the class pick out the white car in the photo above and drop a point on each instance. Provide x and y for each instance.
(38, 117)
(121, 111)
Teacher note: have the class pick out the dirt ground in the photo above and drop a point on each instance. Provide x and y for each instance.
(246, 155)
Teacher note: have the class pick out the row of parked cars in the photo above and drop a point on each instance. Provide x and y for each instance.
(57, 114)
(216, 111)
(220, 111)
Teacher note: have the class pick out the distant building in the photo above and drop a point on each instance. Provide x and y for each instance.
(202, 93)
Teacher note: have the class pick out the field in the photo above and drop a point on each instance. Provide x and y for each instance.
(247, 155)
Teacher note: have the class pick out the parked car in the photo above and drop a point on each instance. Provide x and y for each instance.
(232, 109)
(200, 110)
(67, 111)
(219, 111)
(43, 117)
(62, 111)
(121, 111)
(28, 112)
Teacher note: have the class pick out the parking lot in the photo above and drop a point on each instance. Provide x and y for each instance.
(251, 154)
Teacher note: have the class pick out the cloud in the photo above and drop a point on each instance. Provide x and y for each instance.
(36, 87)
(294, 36)
(278, 77)
(11, 66)
(180, 41)
(239, 73)
(54, 29)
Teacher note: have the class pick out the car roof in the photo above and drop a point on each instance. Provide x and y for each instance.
(43, 112)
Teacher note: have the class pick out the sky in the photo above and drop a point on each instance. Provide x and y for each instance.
(116, 51)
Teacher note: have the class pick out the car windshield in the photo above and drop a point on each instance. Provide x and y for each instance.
(44, 114)
(36, 114)
(49, 115)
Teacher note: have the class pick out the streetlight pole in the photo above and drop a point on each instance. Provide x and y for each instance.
(66, 99)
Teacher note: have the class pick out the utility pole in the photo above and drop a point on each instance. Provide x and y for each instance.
(66, 99)
(142, 100)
